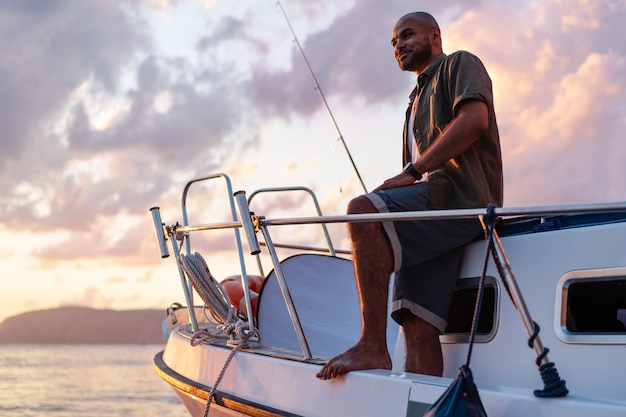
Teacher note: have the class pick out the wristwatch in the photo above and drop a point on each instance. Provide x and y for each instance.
(410, 169)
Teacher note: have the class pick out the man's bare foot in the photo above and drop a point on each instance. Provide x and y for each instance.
(357, 358)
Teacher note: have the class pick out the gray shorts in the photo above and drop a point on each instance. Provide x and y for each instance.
(427, 254)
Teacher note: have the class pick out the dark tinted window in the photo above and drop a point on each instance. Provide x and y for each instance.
(462, 309)
(596, 306)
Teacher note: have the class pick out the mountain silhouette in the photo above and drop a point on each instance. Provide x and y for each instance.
(81, 325)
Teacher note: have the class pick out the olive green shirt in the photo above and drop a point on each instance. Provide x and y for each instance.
(473, 178)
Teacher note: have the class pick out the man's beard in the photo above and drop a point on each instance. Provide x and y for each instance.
(416, 58)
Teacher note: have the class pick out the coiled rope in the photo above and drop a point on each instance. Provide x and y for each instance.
(218, 303)
(211, 292)
(553, 385)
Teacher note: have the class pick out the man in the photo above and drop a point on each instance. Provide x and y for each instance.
(452, 156)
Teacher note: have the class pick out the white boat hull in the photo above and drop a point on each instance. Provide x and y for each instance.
(260, 385)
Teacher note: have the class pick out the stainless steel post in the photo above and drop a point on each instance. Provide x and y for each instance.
(518, 299)
(245, 217)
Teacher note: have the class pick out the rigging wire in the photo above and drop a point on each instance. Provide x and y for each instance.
(321, 94)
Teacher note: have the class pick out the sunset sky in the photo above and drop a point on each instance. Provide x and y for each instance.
(108, 108)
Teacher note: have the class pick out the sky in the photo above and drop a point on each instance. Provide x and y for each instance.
(108, 109)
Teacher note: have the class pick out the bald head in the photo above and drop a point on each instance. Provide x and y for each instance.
(425, 18)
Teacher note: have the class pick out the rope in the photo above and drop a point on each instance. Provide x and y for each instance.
(240, 330)
(489, 221)
(553, 385)
(216, 299)
(219, 379)
(207, 287)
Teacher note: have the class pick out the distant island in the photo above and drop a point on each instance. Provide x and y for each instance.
(82, 325)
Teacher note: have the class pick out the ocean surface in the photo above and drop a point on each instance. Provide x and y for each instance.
(83, 380)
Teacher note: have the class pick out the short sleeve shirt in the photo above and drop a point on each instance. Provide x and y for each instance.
(473, 178)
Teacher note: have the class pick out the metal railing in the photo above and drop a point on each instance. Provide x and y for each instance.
(251, 224)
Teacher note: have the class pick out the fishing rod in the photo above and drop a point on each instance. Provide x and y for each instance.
(321, 93)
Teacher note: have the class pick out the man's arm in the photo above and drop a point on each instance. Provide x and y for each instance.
(471, 121)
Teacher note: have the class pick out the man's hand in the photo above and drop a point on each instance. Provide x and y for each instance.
(399, 180)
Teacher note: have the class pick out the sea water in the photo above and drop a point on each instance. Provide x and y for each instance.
(83, 380)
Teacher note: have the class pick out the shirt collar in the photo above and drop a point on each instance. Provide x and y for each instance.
(429, 72)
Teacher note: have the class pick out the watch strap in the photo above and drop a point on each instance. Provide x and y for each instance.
(410, 169)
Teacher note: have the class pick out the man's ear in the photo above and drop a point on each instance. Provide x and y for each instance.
(435, 34)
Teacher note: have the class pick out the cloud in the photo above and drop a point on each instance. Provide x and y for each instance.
(90, 297)
(576, 137)
(351, 59)
(48, 50)
(169, 117)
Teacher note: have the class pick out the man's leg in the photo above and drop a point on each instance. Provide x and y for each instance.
(422, 298)
(422, 346)
(373, 264)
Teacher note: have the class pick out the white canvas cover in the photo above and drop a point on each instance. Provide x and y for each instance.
(324, 292)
